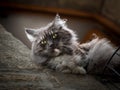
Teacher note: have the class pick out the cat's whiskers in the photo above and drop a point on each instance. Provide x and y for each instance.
(42, 37)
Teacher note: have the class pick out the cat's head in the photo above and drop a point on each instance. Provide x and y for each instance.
(53, 39)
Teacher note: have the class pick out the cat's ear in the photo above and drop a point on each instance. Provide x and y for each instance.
(57, 17)
(30, 33)
(59, 21)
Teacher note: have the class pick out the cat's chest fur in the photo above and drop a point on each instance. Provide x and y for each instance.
(74, 63)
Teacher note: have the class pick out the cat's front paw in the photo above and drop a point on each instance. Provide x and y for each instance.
(66, 71)
(79, 70)
(63, 69)
(74, 70)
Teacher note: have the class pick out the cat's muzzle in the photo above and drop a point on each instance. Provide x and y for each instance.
(56, 52)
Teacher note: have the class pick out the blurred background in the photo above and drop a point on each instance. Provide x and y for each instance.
(84, 16)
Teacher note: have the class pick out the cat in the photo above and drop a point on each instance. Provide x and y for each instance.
(57, 47)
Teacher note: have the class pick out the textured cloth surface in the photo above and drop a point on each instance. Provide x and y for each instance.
(17, 72)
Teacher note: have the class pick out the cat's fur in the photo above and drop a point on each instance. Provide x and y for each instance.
(56, 46)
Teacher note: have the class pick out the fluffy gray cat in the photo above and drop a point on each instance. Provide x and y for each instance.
(57, 47)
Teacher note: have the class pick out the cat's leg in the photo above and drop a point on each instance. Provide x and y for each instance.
(70, 68)
(62, 67)
(75, 70)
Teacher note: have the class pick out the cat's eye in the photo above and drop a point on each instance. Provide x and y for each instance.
(43, 42)
(54, 36)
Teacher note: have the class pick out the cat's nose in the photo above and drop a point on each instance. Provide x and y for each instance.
(52, 45)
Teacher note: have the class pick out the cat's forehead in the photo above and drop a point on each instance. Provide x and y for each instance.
(47, 30)
(57, 25)
(45, 34)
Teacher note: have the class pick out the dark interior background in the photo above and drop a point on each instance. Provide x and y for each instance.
(16, 22)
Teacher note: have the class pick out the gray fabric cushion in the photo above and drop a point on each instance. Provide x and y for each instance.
(13, 53)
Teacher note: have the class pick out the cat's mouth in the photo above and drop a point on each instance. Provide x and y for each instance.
(56, 52)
